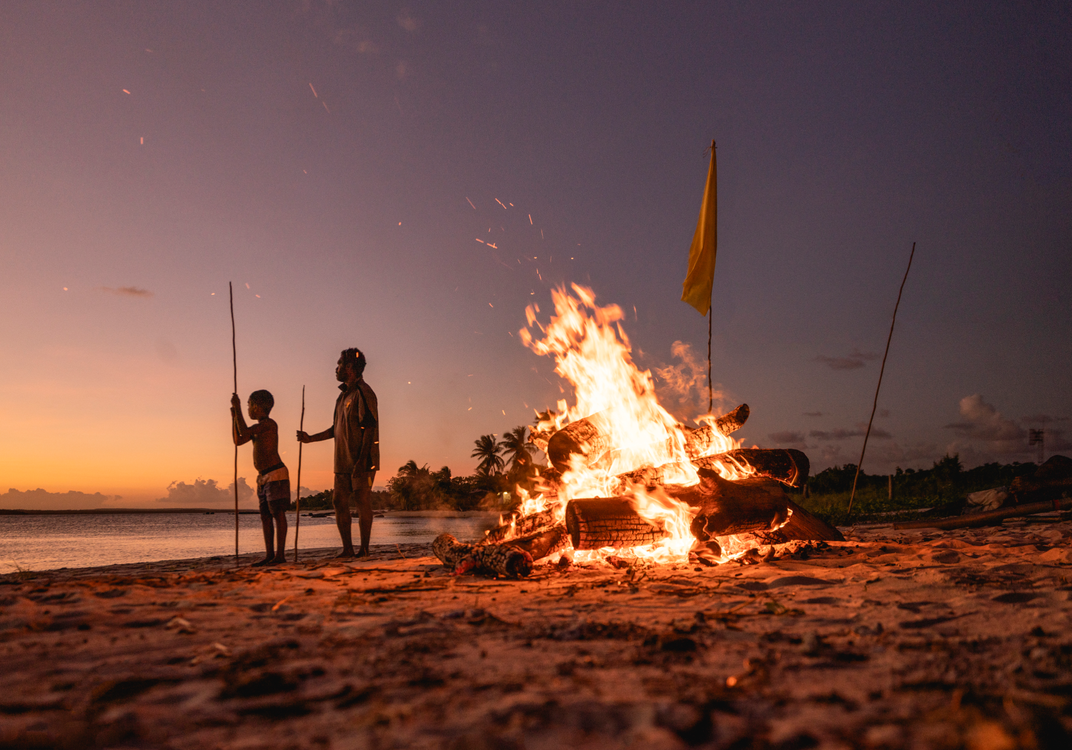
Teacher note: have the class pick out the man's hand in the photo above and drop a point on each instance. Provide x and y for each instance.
(236, 402)
(303, 437)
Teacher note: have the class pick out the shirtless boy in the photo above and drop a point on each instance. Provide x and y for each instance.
(273, 480)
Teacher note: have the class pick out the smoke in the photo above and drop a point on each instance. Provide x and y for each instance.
(206, 493)
(683, 386)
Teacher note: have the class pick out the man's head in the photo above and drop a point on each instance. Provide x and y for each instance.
(260, 404)
(351, 360)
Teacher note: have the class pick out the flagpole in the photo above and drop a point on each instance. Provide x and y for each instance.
(710, 386)
(881, 370)
(234, 361)
(297, 500)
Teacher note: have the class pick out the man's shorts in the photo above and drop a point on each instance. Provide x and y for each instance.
(273, 491)
(365, 478)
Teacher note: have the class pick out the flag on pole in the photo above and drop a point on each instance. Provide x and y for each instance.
(697, 287)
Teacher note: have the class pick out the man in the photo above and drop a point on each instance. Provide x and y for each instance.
(356, 431)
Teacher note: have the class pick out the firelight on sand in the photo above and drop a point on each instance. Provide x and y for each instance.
(592, 352)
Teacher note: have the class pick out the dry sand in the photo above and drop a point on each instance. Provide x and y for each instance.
(892, 639)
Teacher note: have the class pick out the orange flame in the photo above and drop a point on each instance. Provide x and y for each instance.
(592, 352)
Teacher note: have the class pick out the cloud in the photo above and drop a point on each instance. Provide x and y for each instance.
(813, 414)
(128, 291)
(842, 434)
(407, 21)
(787, 438)
(854, 361)
(982, 422)
(206, 493)
(40, 499)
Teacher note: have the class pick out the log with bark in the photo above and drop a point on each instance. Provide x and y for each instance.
(518, 526)
(589, 439)
(599, 522)
(543, 543)
(504, 560)
(788, 466)
(749, 506)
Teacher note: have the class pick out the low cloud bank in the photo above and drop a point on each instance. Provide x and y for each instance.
(40, 499)
(206, 493)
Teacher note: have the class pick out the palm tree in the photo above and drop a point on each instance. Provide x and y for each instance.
(516, 448)
(487, 450)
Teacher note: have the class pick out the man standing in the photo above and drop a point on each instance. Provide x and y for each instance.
(356, 431)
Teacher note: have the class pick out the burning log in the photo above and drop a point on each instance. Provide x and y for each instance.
(787, 466)
(501, 559)
(698, 442)
(520, 526)
(546, 542)
(750, 506)
(608, 522)
(589, 438)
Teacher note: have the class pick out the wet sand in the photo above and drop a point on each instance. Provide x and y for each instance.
(891, 639)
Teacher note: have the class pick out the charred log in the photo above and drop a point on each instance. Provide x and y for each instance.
(609, 522)
(500, 559)
(787, 466)
(755, 505)
(589, 439)
(520, 526)
(699, 441)
(544, 543)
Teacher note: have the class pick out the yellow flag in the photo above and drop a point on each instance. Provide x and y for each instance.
(697, 287)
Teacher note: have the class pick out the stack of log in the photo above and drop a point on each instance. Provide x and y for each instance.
(756, 508)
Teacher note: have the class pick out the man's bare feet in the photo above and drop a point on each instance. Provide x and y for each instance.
(346, 554)
(279, 559)
(262, 563)
(363, 552)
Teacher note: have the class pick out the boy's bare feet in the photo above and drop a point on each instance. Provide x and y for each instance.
(279, 559)
(363, 552)
(262, 563)
(346, 554)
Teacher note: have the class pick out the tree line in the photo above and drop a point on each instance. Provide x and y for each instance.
(502, 465)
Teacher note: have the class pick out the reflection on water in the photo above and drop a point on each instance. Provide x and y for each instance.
(79, 541)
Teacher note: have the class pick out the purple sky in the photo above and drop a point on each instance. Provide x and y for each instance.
(343, 159)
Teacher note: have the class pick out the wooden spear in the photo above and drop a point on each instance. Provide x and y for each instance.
(881, 370)
(297, 500)
(234, 359)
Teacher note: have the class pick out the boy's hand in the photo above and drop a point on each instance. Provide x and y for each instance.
(303, 437)
(236, 402)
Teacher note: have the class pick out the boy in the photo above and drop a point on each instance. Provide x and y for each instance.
(273, 480)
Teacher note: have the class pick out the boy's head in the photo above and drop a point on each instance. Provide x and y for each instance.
(262, 402)
(354, 358)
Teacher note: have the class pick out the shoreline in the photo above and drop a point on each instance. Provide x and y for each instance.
(241, 511)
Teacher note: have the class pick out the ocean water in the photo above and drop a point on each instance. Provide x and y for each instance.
(48, 542)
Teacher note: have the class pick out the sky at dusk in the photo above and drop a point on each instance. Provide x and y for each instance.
(407, 178)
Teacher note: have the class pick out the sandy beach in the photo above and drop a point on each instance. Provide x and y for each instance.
(891, 639)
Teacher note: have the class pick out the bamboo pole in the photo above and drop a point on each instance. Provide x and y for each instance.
(993, 517)
(881, 370)
(234, 360)
(297, 499)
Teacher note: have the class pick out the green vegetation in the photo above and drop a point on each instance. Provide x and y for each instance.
(501, 467)
(938, 491)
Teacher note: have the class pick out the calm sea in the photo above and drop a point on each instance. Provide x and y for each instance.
(78, 541)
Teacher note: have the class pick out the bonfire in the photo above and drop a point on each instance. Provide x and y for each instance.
(626, 479)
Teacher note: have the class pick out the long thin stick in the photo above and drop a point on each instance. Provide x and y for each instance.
(234, 358)
(297, 500)
(882, 369)
(710, 387)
